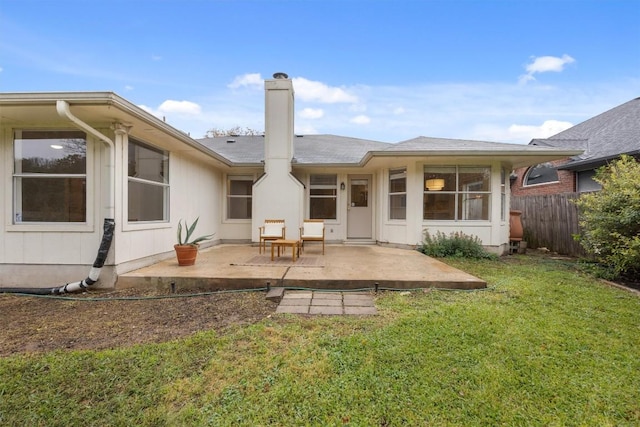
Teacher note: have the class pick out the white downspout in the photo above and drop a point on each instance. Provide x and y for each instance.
(109, 222)
(63, 110)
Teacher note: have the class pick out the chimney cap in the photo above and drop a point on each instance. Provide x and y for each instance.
(280, 75)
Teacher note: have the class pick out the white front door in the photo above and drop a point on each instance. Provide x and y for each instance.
(359, 210)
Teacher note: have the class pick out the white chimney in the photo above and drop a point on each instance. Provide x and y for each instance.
(278, 194)
(279, 111)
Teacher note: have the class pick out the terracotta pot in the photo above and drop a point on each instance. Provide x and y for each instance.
(186, 254)
(515, 225)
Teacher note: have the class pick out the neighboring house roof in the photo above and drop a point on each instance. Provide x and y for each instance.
(603, 137)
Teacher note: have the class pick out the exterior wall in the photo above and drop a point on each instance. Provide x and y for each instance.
(566, 183)
(493, 233)
(62, 253)
(195, 192)
(335, 229)
(235, 230)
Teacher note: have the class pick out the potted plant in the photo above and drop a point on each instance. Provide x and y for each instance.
(187, 250)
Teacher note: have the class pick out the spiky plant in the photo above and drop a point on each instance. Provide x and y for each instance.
(190, 229)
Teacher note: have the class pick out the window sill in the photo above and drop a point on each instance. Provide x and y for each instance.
(139, 226)
(50, 227)
(237, 221)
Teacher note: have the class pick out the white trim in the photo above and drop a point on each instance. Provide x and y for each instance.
(143, 225)
(90, 170)
(225, 197)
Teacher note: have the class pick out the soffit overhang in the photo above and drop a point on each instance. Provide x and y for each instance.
(100, 110)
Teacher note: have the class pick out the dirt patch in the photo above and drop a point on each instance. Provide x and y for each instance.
(101, 320)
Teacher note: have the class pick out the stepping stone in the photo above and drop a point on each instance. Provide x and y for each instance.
(296, 301)
(328, 295)
(293, 309)
(326, 302)
(298, 294)
(275, 294)
(324, 309)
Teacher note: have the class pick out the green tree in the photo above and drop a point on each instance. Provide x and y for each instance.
(234, 131)
(610, 218)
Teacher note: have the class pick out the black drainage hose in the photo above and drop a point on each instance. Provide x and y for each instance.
(94, 273)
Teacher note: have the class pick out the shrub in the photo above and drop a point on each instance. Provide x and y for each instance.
(610, 218)
(456, 244)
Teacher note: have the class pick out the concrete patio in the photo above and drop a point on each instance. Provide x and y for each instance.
(342, 267)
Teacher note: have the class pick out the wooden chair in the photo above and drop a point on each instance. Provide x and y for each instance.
(273, 229)
(312, 230)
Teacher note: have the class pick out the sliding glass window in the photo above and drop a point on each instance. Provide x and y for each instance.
(148, 183)
(456, 193)
(49, 176)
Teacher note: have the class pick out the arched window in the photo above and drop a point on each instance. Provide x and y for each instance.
(542, 173)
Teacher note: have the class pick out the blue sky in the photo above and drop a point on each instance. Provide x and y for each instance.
(495, 70)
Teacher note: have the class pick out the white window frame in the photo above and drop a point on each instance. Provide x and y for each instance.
(324, 187)
(144, 225)
(12, 194)
(228, 196)
(465, 192)
(398, 173)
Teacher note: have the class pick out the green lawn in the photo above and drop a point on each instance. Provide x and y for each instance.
(543, 345)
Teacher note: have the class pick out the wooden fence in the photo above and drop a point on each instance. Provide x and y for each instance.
(550, 221)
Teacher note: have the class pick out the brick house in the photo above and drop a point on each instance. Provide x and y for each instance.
(603, 138)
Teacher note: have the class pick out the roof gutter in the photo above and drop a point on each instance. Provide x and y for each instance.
(442, 153)
(62, 107)
(581, 165)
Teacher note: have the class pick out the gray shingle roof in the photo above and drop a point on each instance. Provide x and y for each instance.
(237, 149)
(332, 150)
(423, 143)
(605, 136)
(308, 149)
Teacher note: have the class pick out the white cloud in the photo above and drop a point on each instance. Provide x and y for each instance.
(309, 90)
(128, 87)
(156, 57)
(479, 111)
(312, 113)
(180, 107)
(361, 120)
(544, 64)
(247, 80)
(545, 130)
